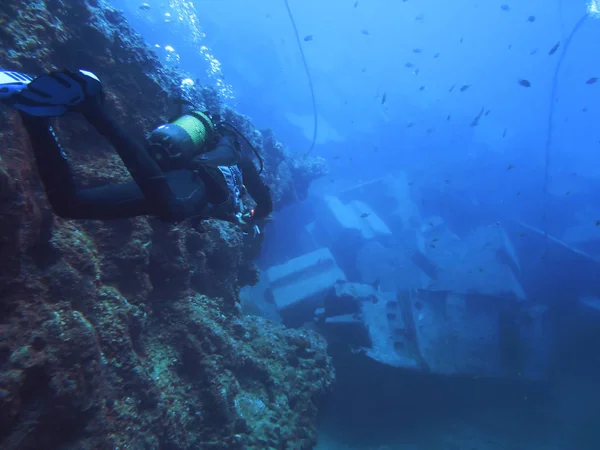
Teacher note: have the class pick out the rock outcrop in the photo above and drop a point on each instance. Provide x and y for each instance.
(127, 334)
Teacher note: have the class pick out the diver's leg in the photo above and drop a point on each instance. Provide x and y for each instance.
(55, 93)
(101, 203)
(143, 169)
(52, 164)
(112, 201)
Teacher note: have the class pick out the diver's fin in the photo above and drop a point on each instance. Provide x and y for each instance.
(55, 93)
(12, 83)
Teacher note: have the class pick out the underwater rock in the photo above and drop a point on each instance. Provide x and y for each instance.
(128, 334)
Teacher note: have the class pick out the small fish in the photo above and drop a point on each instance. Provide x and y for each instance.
(553, 49)
(365, 32)
(417, 50)
(477, 117)
(448, 118)
(488, 112)
(510, 167)
(409, 65)
(531, 19)
(308, 38)
(410, 125)
(437, 55)
(534, 51)
(592, 80)
(505, 7)
(598, 223)
(144, 6)
(422, 88)
(509, 46)
(504, 133)
(355, 4)
(452, 88)
(461, 40)
(525, 83)
(383, 98)
(364, 215)
(464, 87)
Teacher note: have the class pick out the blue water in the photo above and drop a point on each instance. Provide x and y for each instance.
(398, 86)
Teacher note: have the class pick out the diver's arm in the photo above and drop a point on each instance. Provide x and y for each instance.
(143, 169)
(256, 188)
(225, 153)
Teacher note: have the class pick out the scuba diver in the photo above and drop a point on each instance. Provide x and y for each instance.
(192, 167)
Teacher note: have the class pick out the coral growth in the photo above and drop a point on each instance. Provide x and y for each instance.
(128, 334)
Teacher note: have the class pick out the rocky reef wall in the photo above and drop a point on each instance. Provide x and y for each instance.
(128, 334)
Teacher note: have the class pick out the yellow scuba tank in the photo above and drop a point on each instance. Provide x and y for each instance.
(175, 144)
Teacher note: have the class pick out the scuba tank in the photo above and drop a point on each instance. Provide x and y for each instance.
(175, 144)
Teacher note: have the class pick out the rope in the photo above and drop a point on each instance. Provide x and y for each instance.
(549, 130)
(310, 82)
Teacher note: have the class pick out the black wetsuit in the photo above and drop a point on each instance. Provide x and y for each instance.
(172, 196)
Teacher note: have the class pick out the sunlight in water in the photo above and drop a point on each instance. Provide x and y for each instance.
(594, 9)
(186, 14)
